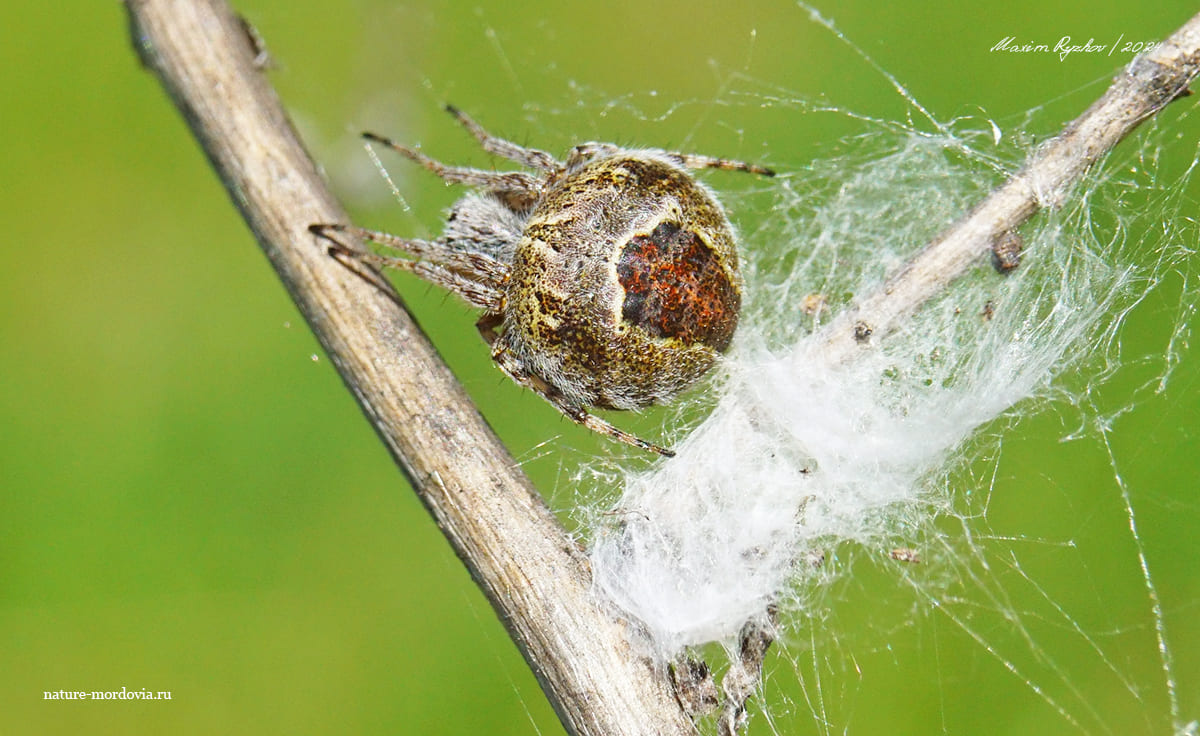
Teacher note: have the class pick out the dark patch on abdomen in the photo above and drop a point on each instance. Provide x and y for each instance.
(675, 287)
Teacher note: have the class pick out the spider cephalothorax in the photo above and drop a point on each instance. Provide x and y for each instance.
(609, 281)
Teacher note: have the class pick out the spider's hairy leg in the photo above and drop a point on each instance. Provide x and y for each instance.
(479, 265)
(697, 161)
(475, 277)
(587, 151)
(530, 157)
(596, 424)
(511, 365)
(487, 325)
(494, 180)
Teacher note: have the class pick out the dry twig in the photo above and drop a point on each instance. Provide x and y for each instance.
(534, 574)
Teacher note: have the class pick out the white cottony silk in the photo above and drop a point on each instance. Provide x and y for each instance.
(798, 455)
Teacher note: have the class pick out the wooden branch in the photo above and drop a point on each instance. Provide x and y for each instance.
(1142, 89)
(533, 573)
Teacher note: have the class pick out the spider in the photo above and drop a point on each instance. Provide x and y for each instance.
(609, 280)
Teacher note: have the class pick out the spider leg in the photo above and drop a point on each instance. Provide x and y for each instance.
(596, 424)
(530, 157)
(487, 325)
(587, 151)
(571, 410)
(474, 277)
(697, 161)
(495, 181)
(469, 262)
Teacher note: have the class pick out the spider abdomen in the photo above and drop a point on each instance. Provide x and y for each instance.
(625, 286)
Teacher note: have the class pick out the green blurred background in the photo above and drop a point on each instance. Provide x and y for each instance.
(192, 502)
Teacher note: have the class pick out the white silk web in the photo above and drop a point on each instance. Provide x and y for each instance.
(801, 474)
